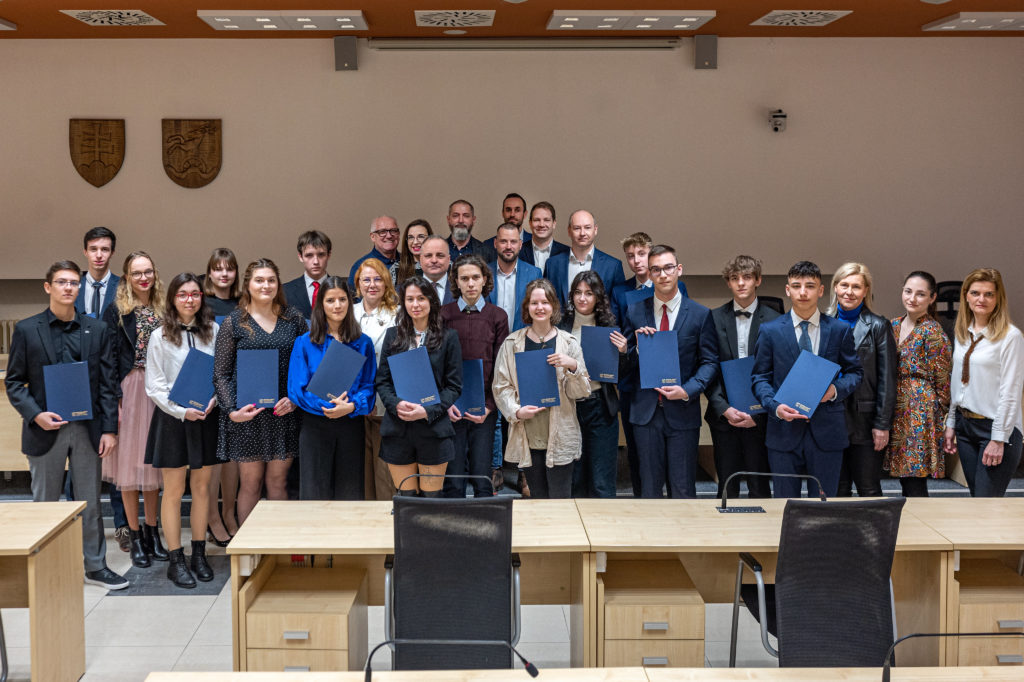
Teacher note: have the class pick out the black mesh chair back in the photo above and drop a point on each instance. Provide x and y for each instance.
(452, 579)
(773, 302)
(947, 302)
(832, 592)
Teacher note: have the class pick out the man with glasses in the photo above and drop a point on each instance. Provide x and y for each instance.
(60, 334)
(384, 234)
(314, 249)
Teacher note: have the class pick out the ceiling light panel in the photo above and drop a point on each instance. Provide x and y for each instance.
(800, 18)
(284, 20)
(325, 20)
(7, 25)
(628, 20)
(113, 17)
(978, 21)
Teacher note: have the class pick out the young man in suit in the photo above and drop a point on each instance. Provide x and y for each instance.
(738, 436)
(542, 246)
(513, 210)
(796, 444)
(60, 334)
(666, 421)
(435, 261)
(314, 249)
(511, 275)
(583, 255)
(384, 234)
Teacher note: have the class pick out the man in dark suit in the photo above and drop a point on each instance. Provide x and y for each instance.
(543, 245)
(513, 210)
(796, 444)
(583, 255)
(511, 275)
(737, 435)
(435, 261)
(59, 334)
(666, 421)
(461, 242)
(314, 249)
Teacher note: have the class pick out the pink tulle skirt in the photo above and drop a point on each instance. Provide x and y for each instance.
(125, 468)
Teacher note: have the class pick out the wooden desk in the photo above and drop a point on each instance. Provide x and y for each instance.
(41, 569)
(988, 674)
(548, 534)
(707, 542)
(516, 675)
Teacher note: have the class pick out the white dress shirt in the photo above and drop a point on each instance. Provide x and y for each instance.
(163, 363)
(89, 281)
(813, 330)
(743, 328)
(540, 256)
(577, 266)
(375, 325)
(309, 286)
(673, 310)
(505, 291)
(440, 286)
(997, 377)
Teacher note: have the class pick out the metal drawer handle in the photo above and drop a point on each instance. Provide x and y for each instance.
(1011, 624)
(296, 668)
(1010, 658)
(296, 634)
(655, 627)
(655, 660)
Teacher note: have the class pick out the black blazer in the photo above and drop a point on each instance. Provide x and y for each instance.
(526, 253)
(31, 349)
(446, 362)
(872, 404)
(608, 392)
(728, 349)
(123, 338)
(296, 296)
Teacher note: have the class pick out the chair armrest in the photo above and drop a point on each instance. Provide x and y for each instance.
(389, 561)
(752, 563)
(516, 562)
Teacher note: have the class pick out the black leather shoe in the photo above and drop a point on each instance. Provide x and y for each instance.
(136, 550)
(177, 570)
(200, 567)
(151, 542)
(210, 537)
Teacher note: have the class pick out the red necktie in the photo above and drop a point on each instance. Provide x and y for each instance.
(316, 290)
(664, 319)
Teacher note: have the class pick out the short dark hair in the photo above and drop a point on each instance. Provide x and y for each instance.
(514, 195)
(100, 233)
(508, 226)
(804, 269)
(63, 265)
(660, 249)
(546, 205)
(477, 261)
(314, 238)
(461, 201)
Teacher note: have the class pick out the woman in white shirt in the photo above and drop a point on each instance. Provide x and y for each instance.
(375, 314)
(984, 424)
(182, 439)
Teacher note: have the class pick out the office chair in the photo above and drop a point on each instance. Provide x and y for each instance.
(832, 603)
(452, 576)
(947, 302)
(773, 302)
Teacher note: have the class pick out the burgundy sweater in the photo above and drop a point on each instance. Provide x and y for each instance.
(480, 335)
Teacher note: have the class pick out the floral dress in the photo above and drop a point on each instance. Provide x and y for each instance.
(922, 401)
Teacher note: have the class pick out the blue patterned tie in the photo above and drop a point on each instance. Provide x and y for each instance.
(805, 337)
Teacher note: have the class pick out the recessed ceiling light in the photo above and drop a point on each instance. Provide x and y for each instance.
(309, 26)
(566, 26)
(264, 19)
(303, 19)
(223, 19)
(611, 19)
(681, 26)
(634, 20)
(651, 18)
(605, 26)
(690, 19)
(643, 25)
(978, 21)
(269, 25)
(571, 19)
(455, 32)
(230, 26)
(346, 19)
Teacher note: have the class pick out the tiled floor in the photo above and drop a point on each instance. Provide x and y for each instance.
(128, 637)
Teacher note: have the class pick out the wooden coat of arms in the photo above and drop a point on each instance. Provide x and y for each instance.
(191, 150)
(97, 148)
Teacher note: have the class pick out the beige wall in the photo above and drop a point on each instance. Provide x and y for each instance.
(903, 153)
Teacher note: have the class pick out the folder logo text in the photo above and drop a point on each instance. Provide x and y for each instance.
(544, 401)
(802, 407)
(196, 404)
(80, 413)
(428, 399)
(607, 375)
(670, 381)
(267, 401)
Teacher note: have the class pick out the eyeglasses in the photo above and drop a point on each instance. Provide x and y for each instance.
(145, 273)
(67, 283)
(366, 281)
(416, 238)
(188, 295)
(668, 270)
(390, 232)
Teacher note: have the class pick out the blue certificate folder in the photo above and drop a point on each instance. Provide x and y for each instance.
(337, 371)
(805, 385)
(659, 359)
(641, 294)
(257, 378)
(600, 356)
(413, 377)
(473, 400)
(538, 381)
(194, 385)
(736, 377)
(67, 390)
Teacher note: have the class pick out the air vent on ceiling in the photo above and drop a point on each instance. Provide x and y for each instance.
(800, 17)
(113, 17)
(455, 18)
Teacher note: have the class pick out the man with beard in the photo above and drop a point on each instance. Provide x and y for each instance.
(461, 218)
(513, 210)
(511, 275)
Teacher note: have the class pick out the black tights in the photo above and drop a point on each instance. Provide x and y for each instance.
(914, 486)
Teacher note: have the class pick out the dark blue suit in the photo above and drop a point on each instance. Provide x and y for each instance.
(608, 268)
(668, 432)
(526, 253)
(803, 446)
(108, 295)
(525, 273)
(618, 295)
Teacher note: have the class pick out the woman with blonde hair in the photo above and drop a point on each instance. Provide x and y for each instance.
(869, 409)
(136, 313)
(984, 422)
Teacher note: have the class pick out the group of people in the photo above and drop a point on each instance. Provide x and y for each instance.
(905, 395)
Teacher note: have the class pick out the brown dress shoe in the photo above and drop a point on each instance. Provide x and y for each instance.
(524, 488)
(123, 539)
(497, 479)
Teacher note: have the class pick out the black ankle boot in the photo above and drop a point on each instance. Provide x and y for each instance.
(151, 543)
(407, 493)
(177, 570)
(199, 564)
(430, 493)
(135, 549)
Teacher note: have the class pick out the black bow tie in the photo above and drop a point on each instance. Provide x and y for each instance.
(741, 313)
(189, 331)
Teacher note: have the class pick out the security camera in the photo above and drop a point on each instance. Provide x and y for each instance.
(777, 120)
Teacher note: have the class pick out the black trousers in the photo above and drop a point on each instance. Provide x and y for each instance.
(862, 465)
(548, 482)
(631, 455)
(332, 454)
(739, 449)
(972, 435)
(474, 448)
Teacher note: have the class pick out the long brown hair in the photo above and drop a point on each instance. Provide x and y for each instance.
(227, 257)
(172, 321)
(602, 306)
(999, 322)
(348, 329)
(126, 300)
(406, 262)
(280, 304)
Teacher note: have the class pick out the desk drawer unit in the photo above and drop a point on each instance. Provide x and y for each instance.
(991, 600)
(651, 615)
(299, 660)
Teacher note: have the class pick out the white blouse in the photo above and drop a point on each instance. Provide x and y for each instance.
(996, 381)
(163, 362)
(375, 325)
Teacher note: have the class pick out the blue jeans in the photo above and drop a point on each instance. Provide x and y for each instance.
(594, 475)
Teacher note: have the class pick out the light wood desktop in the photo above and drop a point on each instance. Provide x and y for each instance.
(41, 569)
(901, 674)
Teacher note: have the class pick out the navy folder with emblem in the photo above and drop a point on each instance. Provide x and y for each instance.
(806, 384)
(599, 353)
(337, 371)
(67, 390)
(538, 381)
(659, 359)
(736, 378)
(641, 294)
(257, 378)
(473, 399)
(194, 385)
(413, 377)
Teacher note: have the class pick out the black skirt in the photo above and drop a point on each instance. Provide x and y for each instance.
(174, 443)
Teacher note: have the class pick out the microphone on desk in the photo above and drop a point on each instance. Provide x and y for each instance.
(530, 667)
(888, 656)
(759, 509)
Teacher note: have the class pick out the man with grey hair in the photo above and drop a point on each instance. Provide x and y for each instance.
(384, 234)
(461, 219)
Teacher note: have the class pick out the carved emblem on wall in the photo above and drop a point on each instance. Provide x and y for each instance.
(192, 150)
(97, 148)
